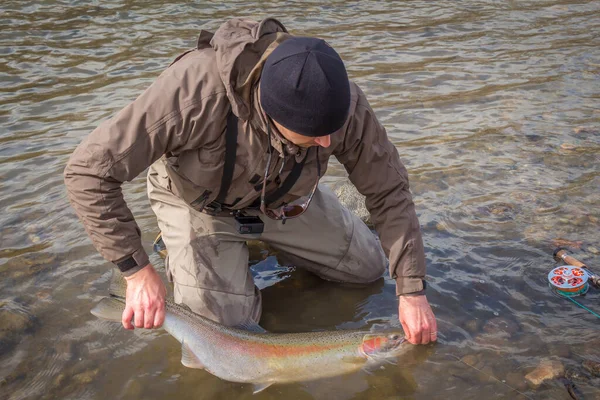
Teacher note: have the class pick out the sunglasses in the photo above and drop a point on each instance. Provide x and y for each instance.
(286, 211)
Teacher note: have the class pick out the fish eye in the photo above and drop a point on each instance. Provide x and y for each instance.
(393, 337)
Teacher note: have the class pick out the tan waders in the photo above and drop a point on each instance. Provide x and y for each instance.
(208, 258)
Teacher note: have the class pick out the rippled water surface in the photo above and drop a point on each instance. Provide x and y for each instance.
(494, 107)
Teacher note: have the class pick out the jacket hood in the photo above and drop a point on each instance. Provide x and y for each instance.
(241, 47)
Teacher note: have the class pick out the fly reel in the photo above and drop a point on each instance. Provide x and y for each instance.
(569, 280)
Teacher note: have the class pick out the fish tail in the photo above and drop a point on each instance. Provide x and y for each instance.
(109, 308)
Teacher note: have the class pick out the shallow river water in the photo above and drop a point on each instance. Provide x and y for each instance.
(494, 107)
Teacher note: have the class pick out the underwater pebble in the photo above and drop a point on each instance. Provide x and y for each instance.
(59, 381)
(583, 129)
(593, 250)
(35, 239)
(568, 146)
(14, 322)
(471, 359)
(473, 325)
(86, 377)
(544, 209)
(547, 369)
(560, 242)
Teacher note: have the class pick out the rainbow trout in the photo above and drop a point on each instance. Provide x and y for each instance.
(250, 354)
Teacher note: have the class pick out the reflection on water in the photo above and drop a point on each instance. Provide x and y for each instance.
(493, 107)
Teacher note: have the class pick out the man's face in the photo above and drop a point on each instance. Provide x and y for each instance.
(301, 140)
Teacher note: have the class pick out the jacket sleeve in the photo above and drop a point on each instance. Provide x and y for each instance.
(173, 114)
(374, 167)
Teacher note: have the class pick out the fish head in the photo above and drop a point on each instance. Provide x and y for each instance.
(383, 345)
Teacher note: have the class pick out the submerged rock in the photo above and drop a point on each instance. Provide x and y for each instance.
(473, 360)
(585, 129)
(14, 323)
(473, 325)
(592, 366)
(593, 250)
(561, 242)
(516, 381)
(559, 350)
(548, 369)
(85, 377)
(27, 265)
(576, 375)
(501, 326)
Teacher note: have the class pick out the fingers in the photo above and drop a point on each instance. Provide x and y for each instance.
(143, 318)
(149, 318)
(417, 319)
(145, 300)
(407, 332)
(126, 318)
(419, 336)
(433, 328)
(159, 317)
(138, 318)
(428, 331)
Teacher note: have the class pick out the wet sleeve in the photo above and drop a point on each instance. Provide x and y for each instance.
(374, 167)
(177, 112)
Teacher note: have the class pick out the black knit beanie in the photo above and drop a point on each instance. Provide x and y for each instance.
(304, 87)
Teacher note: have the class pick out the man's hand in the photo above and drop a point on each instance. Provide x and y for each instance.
(144, 300)
(417, 319)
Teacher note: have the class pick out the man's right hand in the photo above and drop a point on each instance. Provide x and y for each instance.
(144, 300)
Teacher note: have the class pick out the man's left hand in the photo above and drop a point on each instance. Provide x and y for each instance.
(417, 319)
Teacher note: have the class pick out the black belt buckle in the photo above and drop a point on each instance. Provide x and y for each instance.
(213, 208)
(249, 224)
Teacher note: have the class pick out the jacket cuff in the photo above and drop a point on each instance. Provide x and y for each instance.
(133, 263)
(419, 293)
(409, 285)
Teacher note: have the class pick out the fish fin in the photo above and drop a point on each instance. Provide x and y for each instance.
(372, 365)
(251, 326)
(354, 359)
(109, 308)
(118, 285)
(259, 387)
(390, 361)
(188, 358)
(185, 307)
(368, 371)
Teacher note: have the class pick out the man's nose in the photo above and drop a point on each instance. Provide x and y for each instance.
(323, 141)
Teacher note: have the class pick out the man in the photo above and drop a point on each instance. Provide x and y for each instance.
(237, 133)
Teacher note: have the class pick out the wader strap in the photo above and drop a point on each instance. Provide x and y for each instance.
(230, 153)
(288, 183)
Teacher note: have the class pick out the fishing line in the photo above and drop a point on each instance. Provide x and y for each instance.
(580, 305)
(491, 376)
